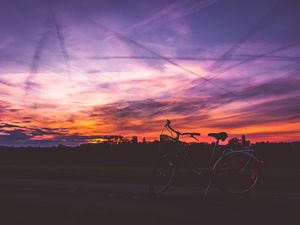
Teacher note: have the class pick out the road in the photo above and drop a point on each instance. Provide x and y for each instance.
(43, 202)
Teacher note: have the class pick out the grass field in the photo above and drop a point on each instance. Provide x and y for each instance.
(119, 172)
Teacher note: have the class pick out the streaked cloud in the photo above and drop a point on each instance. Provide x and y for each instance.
(72, 70)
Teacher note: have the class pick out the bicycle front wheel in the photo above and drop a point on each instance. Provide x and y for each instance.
(237, 173)
(163, 174)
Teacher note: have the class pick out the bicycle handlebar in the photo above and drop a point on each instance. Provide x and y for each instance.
(179, 133)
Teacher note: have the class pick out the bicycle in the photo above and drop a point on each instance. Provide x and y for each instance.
(234, 172)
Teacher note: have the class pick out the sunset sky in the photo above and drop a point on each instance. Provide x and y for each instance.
(71, 70)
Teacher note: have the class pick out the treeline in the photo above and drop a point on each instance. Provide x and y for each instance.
(136, 154)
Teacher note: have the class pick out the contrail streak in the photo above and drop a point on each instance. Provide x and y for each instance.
(173, 11)
(160, 56)
(255, 58)
(35, 61)
(266, 57)
(245, 37)
(61, 40)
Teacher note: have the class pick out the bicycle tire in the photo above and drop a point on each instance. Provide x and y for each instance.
(236, 173)
(163, 174)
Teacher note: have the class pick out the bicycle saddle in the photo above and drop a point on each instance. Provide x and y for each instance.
(219, 136)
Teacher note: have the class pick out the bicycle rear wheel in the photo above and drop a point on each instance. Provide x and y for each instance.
(163, 174)
(237, 173)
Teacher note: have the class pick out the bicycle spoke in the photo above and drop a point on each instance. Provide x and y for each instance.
(163, 174)
(237, 173)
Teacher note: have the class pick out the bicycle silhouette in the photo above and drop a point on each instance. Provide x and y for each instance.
(234, 172)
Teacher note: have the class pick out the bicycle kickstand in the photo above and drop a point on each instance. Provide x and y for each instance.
(207, 187)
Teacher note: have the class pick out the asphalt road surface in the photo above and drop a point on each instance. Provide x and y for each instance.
(41, 202)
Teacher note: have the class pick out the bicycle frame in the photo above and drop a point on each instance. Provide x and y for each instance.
(185, 155)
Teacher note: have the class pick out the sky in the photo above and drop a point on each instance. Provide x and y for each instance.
(73, 70)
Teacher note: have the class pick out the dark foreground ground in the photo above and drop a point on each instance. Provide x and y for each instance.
(41, 202)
